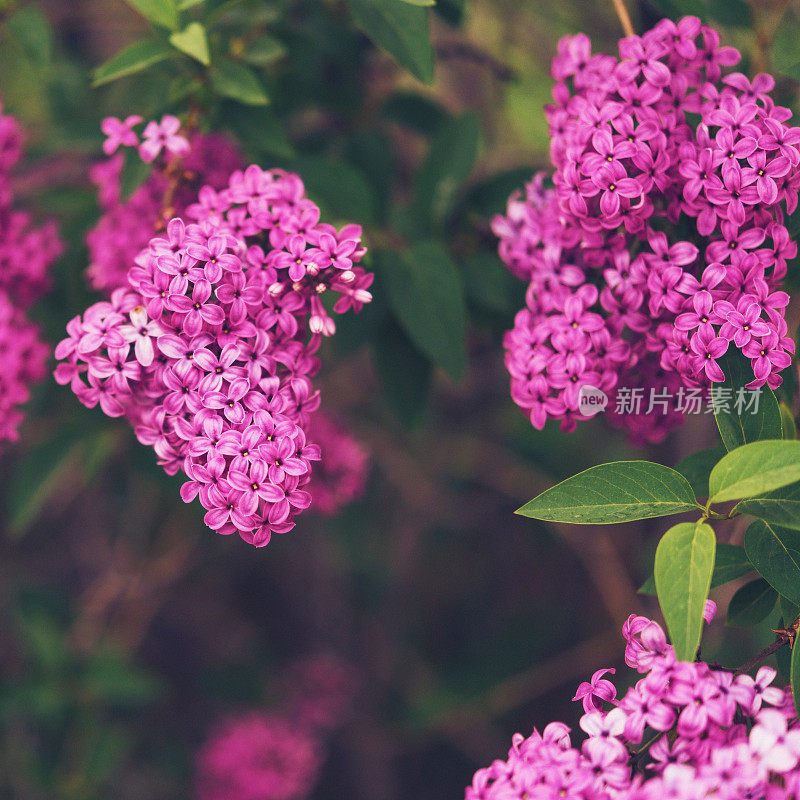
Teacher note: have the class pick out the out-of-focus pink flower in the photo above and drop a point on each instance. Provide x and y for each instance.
(119, 133)
(163, 136)
(258, 756)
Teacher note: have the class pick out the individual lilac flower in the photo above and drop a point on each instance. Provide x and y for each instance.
(119, 133)
(141, 331)
(741, 326)
(614, 184)
(708, 347)
(593, 693)
(777, 746)
(163, 136)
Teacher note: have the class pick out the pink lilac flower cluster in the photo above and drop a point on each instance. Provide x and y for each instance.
(258, 756)
(26, 253)
(663, 239)
(684, 731)
(341, 475)
(210, 351)
(126, 226)
(276, 755)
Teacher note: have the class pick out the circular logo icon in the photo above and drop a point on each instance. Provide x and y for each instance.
(591, 400)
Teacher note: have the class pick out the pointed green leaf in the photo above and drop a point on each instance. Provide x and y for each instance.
(33, 32)
(265, 50)
(134, 58)
(730, 564)
(781, 506)
(742, 415)
(697, 467)
(447, 165)
(238, 82)
(617, 492)
(775, 553)
(426, 293)
(755, 468)
(684, 565)
(752, 604)
(134, 173)
(417, 112)
(193, 41)
(401, 30)
(159, 12)
(788, 424)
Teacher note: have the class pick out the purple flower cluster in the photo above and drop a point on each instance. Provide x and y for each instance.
(26, 254)
(210, 352)
(126, 226)
(684, 731)
(662, 241)
(341, 475)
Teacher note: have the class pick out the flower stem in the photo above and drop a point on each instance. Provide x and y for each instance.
(624, 17)
(785, 636)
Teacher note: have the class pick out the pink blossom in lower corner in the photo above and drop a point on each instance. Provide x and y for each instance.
(258, 756)
(684, 731)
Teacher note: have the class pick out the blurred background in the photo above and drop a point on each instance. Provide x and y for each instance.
(442, 622)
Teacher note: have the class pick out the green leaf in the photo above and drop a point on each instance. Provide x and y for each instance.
(47, 470)
(134, 58)
(32, 31)
(489, 284)
(159, 12)
(781, 506)
(193, 41)
(788, 425)
(697, 467)
(424, 3)
(775, 553)
(785, 54)
(736, 13)
(621, 491)
(259, 128)
(449, 162)
(683, 569)
(415, 111)
(109, 679)
(795, 675)
(426, 293)
(401, 30)
(736, 420)
(752, 604)
(730, 564)
(134, 173)
(404, 372)
(341, 190)
(265, 50)
(755, 468)
(238, 82)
